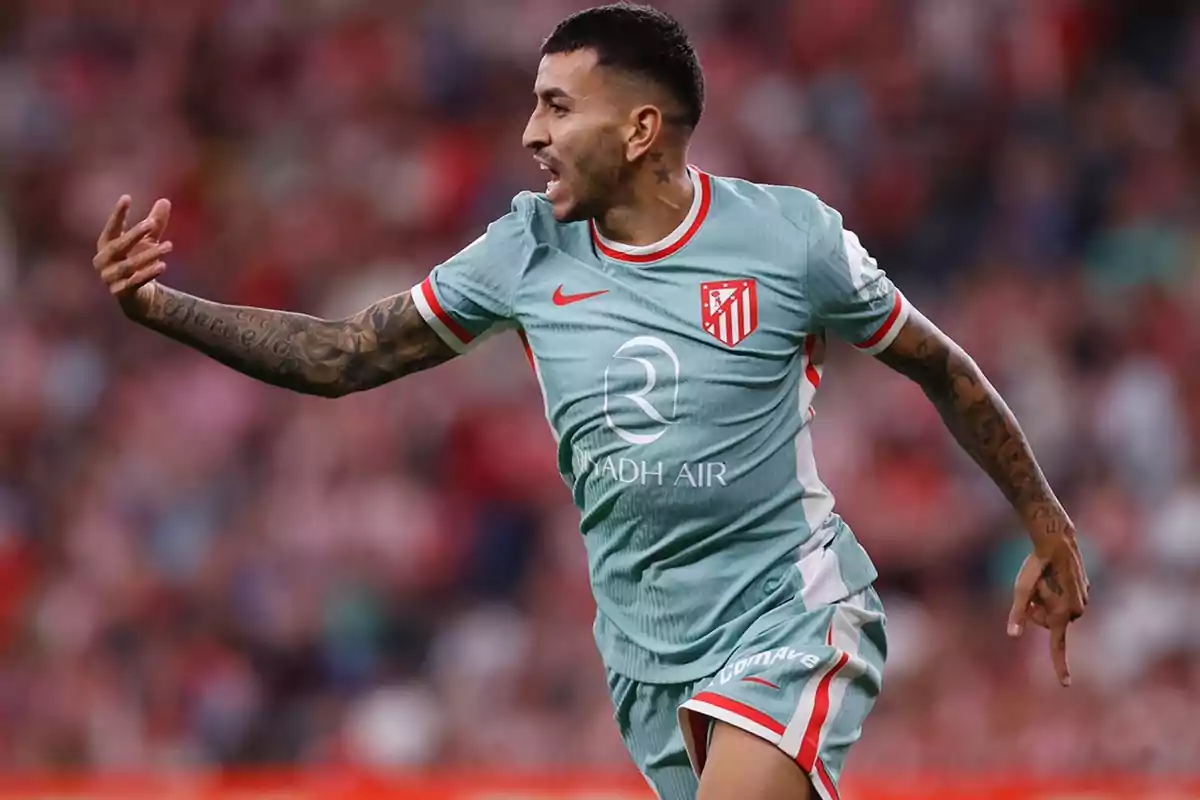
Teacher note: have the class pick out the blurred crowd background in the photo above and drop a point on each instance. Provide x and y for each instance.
(198, 570)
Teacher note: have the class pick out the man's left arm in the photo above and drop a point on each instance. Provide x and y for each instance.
(979, 420)
(851, 296)
(1052, 587)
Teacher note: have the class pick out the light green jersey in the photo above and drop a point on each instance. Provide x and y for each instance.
(678, 380)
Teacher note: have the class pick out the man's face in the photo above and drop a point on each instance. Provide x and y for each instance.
(577, 133)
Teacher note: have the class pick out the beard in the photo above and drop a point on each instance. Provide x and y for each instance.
(598, 182)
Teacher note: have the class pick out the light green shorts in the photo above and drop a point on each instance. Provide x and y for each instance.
(804, 680)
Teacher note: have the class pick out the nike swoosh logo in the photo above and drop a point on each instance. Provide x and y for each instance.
(561, 299)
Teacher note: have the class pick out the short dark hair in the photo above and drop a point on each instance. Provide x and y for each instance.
(640, 40)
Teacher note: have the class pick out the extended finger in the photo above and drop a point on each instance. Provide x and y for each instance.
(1058, 650)
(161, 215)
(124, 269)
(116, 222)
(120, 246)
(138, 278)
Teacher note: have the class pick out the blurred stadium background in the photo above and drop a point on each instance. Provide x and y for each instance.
(202, 577)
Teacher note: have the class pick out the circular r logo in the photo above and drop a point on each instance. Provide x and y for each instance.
(644, 351)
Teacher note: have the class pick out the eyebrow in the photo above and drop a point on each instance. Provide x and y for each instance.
(552, 93)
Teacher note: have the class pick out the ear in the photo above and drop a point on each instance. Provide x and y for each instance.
(645, 129)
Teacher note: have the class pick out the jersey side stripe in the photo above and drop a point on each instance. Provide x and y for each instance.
(811, 370)
(537, 374)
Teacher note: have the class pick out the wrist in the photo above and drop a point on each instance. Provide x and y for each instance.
(139, 304)
(1050, 533)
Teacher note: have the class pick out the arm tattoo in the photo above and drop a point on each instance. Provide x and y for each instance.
(329, 358)
(980, 421)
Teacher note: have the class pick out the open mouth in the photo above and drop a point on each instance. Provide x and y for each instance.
(553, 182)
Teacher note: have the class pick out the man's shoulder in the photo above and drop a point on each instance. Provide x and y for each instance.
(796, 205)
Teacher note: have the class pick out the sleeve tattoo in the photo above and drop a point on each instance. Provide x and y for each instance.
(329, 358)
(979, 420)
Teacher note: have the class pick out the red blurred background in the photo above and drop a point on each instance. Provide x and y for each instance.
(200, 574)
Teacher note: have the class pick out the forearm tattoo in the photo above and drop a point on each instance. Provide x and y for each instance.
(329, 358)
(979, 420)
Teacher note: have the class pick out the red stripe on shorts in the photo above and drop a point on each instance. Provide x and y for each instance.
(812, 734)
(741, 709)
(826, 781)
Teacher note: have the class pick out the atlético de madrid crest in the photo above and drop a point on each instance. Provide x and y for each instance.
(729, 309)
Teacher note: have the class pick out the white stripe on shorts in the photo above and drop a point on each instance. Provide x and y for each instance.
(845, 633)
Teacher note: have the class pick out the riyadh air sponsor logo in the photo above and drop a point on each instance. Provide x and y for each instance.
(641, 402)
(639, 472)
(655, 415)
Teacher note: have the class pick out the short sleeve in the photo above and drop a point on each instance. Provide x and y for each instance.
(849, 293)
(472, 292)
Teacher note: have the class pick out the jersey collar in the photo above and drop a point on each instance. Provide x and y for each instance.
(676, 240)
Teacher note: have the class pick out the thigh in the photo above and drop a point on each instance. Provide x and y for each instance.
(803, 684)
(647, 716)
(748, 767)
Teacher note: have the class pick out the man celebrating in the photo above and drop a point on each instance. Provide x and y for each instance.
(677, 324)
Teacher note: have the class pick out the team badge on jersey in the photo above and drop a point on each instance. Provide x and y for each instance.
(729, 309)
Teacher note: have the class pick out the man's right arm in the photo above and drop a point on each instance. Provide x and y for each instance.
(397, 336)
(330, 358)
